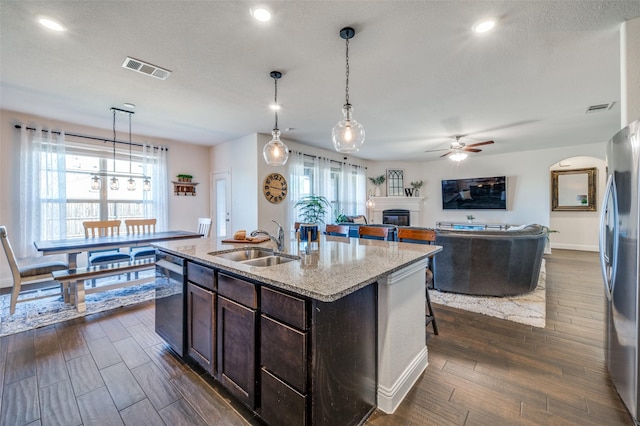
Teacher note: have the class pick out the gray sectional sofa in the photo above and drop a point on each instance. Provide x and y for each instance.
(489, 263)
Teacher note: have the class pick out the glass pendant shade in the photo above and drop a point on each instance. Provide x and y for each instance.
(370, 203)
(95, 183)
(115, 184)
(146, 185)
(348, 134)
(275, 153)
(131, 184)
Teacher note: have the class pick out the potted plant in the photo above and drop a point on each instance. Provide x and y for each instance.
(312, 211)
(416, 186)
(470, 218)
(377, 181)
(184, 178)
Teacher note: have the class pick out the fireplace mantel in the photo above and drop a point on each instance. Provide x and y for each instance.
(413, 204)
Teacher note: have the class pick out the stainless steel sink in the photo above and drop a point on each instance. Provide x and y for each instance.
(240, 255)
(269, 261)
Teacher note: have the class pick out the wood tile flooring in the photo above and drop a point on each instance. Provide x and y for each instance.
(111, 368)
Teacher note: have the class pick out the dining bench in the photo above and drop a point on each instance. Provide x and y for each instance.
(74, 279)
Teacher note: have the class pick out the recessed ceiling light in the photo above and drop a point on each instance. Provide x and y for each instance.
(51, 24)
(261, 14)
(484, 26)
(275, 107)
(129, 105)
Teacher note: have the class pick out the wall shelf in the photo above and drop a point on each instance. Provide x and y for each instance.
(184, 188)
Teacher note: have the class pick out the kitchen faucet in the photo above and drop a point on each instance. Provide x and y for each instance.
(279, 240)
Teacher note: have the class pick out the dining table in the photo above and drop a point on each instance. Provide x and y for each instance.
(74, 246)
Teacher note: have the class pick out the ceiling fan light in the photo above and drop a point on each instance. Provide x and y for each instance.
(458, 156)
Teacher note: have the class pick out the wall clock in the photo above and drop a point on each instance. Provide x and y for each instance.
(275, 188)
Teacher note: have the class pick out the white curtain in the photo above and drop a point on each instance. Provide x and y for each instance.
(43, 189)
(353, 187)
(322, 179)
(156, 201)
(295, 167)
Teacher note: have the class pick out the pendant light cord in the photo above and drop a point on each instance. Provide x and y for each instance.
(114, 141)
(347, 83)
(275, 101)
(129, 143)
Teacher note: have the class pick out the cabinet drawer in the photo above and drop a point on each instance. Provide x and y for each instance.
(288, 309)
(280, 404)
(283, 351)
(201, 275)
(238, 290)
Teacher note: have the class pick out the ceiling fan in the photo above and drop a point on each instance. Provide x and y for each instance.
(458, 150)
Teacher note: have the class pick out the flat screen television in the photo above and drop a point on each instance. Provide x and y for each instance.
(485, 193)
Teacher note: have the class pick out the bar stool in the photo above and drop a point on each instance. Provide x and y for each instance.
(337, 230)
(373, 232)
(422, 236)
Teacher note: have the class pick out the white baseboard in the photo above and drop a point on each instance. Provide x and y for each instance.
(390, 398)
(579, 247)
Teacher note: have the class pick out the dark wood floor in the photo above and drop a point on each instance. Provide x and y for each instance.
(111, 368)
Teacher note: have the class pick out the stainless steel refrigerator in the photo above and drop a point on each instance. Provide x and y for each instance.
(619, 251)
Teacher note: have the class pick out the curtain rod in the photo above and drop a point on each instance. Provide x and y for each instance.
(331, 160)
(95, 138)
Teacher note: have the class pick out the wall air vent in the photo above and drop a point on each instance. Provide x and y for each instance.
(146, 68)
(600, 107)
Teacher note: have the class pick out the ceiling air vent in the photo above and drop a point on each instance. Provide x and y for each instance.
(146, 68)
(598, 108)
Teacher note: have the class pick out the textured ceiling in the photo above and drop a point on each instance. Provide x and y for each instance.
(418, 73)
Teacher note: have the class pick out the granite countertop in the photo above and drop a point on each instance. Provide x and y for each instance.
(337, 268)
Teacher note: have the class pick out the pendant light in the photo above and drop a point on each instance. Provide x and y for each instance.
(95, 183)
(115, 184)
(275, 152)
(131, 184)
(348, 134)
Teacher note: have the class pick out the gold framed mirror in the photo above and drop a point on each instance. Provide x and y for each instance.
(574, 190)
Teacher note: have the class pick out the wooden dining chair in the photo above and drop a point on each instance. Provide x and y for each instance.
(103, 228)
(373, 232)
(423, 236)
(28, 274)
(337, 230)
(204, 225)
(141, 226)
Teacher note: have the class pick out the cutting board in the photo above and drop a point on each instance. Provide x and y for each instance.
(256, 240)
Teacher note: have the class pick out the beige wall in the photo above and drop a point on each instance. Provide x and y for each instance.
(183, 158)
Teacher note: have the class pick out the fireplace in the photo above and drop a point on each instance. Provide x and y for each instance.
(398, 217)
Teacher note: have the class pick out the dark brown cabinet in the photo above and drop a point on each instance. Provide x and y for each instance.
(292, 360)
(283, 357)
(201, 316)
(236, 343)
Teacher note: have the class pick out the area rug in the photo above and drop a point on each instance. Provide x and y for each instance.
(42, 312)
(527, 308)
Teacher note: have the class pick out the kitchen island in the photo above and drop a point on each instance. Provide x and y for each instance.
(323, 339)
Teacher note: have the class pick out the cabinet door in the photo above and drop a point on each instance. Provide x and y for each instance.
(237, 349)
(201, 326)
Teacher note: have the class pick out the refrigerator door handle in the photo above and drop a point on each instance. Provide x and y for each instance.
(609, 260)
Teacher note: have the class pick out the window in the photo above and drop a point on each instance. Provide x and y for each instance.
(82, 203)
(344, 185)
(55, 181)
